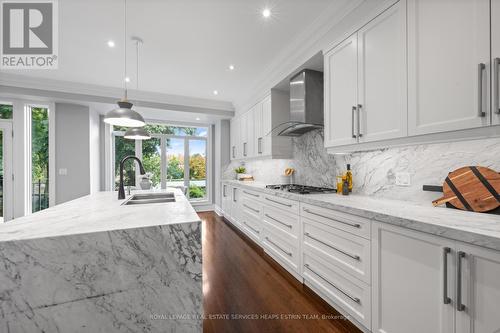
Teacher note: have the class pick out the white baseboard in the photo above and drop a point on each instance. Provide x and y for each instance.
(218, 210)
(204, 208)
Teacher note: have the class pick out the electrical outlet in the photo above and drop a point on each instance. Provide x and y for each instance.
(403, 179)
(63, 172)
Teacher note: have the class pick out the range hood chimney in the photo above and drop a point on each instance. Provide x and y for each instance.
(306, 103)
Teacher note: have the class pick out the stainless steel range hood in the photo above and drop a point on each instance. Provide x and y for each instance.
(306, 104)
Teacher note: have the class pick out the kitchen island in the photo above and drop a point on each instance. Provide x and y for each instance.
(95, 265)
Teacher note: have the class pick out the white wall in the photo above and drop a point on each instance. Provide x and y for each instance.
(72, 151)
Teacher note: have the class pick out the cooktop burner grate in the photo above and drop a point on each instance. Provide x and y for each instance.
(301, 189)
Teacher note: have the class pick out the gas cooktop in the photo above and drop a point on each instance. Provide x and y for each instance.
(301, 189)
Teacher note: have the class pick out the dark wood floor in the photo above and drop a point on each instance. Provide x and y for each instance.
(240, 280)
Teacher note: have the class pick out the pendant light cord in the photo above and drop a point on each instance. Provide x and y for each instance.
(137, 63)
(125, 47)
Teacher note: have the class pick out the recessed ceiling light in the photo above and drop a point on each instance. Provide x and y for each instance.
(111, 43)
(127, 79)
(266, 12)
(216, 92)
(198, 118)
(231, 67)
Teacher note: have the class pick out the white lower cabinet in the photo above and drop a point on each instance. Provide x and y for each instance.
(479, 290)
(425, 283)
(284, 249)
(408, 281)
(384, 278)
(341, 289)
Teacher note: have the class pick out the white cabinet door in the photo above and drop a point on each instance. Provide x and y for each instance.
(265, 141)
(243, 141)
(448, 88)
(226, 200)
(341, 93)
(234, 136)
(257, 130)
(382, 78)
(495, 52)
(479, 290)
(408, 288)
(250, 132)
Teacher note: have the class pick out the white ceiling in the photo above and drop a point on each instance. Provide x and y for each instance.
(188, 44)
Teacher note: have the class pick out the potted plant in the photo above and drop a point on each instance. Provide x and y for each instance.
(239, 171)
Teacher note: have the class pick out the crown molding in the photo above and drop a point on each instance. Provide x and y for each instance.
(16, 84)
(311, 41)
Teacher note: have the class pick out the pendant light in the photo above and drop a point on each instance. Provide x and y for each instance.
(124, 115)
(137, 133)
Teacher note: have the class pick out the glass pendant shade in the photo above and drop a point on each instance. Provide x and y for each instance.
(124, 116)
(137, 133)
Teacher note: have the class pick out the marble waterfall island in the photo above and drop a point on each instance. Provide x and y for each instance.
(94, 265)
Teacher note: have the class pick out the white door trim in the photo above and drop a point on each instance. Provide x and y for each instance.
(8, 202)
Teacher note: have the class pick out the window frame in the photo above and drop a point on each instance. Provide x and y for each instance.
(163, 138)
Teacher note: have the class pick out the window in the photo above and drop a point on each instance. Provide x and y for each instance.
(175, 156)
(39, 158)
(6, 111)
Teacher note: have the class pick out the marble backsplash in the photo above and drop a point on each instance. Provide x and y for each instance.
(374, 172)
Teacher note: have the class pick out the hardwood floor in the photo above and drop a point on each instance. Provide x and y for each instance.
(245, 291)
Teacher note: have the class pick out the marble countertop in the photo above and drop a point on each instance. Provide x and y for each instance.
(96, 213)
(473, 228)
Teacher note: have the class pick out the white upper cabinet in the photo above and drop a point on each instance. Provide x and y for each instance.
(341, 93)
(449, 65)
(382, 98)
(495, 53)
(365, 83)
(253, 136)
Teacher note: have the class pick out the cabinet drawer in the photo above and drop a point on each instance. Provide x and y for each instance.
(354, 224)
(251, 226)
(251, 194)
(339, 288)
(283, 250)
(339, 248)
(251, 207)
(287, 223)
(289, 206)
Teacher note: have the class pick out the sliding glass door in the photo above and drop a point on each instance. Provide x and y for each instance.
(175, 156)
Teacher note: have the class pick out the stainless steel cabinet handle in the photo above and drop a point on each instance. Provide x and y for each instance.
(251, 208)
(480, 70)
(272, 218)
(354, 256)
(279, 247)
(460, 256)
(224, 191)
(234, 151)
(255, 195)
(254, 230)
(359, 120)
(354, 225)
(446, 299)
(352, 122)
(355, 299)
(234, 194)
(496, 84)
(288, 205)
(244, 149)
(259, 145)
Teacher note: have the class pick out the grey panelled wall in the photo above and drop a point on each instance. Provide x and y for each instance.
(72, 151)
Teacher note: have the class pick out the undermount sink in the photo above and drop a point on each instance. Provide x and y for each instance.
(149, 198)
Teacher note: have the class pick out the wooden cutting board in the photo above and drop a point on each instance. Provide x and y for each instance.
(472, 188)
